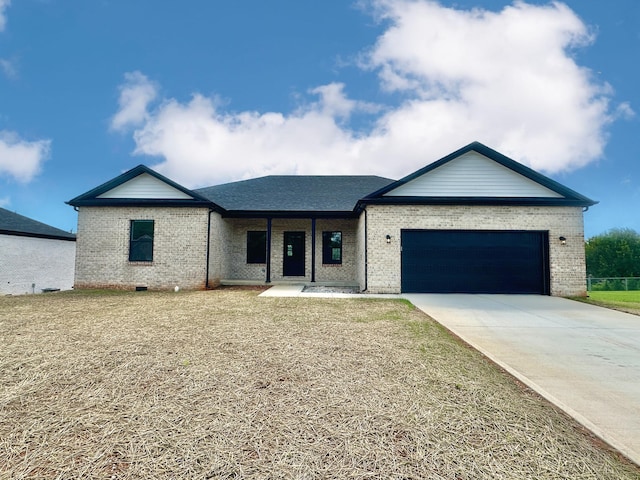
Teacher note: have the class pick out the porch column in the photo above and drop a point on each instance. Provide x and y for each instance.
(313, 250)
(268, 278)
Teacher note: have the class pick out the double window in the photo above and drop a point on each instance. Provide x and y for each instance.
(141, 241)
(332, 248)
(257, 246)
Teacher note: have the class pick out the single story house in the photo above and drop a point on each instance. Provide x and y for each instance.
(474, 221)
(34, 256)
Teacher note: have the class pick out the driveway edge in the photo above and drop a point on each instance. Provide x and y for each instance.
(612, 443)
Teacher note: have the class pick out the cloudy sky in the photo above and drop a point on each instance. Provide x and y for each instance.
(210, 92)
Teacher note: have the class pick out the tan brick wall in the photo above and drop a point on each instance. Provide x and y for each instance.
(361, 254)
(567, 262)
(346, 272)
(219, 250)
(236, 251)
(181, 233)
(179, 250)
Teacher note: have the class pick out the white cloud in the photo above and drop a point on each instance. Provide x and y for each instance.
(5, 202)
(19, 158)
(4, 4)
(201, 145)
(507, 79)
(135, 95)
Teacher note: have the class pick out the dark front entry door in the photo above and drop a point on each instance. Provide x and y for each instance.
(293, 259)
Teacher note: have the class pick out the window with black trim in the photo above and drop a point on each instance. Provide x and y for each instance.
(332, 247)
(141, 241)
(257, 246)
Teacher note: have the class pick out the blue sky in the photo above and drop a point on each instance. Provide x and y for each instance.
(210, 92)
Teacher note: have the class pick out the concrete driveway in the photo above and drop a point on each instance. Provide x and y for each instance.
(584, 359)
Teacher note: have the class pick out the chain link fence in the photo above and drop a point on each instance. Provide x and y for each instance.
(612, 284)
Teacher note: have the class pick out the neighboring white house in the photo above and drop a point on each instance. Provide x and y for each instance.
(34, 257)
(474, 222)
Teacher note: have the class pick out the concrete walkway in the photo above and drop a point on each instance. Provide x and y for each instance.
(298, 291)
(584, 359)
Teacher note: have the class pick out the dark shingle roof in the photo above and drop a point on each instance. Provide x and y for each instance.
(14, 224)
(294, 193)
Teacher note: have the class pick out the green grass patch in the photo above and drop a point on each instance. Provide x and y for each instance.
(625, 301)
(620, 296)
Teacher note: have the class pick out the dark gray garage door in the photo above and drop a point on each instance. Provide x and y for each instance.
(472, 261)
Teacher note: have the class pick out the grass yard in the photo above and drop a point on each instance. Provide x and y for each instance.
(626, 301)
(226, 385)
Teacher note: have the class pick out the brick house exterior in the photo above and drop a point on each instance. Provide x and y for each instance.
(180, 248)
(34, 256)
(567, 262)
(501, 226)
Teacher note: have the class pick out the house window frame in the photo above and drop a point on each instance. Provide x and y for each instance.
(255, 255)
(329, 250)
(135, 243)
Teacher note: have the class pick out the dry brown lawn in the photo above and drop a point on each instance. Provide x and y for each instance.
(224, 384)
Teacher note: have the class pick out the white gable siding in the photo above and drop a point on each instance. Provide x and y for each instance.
(145, 186)
(472, 175)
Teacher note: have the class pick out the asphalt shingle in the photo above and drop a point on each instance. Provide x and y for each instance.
(15, 224)
(295, 193)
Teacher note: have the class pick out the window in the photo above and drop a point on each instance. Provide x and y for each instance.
(257, 247)
(332, 247)
(141, 241)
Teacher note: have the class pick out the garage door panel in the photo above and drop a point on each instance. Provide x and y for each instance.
(454, 261)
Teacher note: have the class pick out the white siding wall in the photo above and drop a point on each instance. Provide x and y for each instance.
(27, 265)
(145, 186)
(472, 175)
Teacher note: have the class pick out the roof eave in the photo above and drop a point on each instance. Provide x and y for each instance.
(142, 202)
(15, 233)
(289, 214)
(509, 201)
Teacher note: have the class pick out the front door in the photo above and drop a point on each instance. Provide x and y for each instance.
(293, 257)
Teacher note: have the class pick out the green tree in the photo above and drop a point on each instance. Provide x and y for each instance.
(615, 253)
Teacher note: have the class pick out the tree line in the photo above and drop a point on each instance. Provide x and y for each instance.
(615, 253)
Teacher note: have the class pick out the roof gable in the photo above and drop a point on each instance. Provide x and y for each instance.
(14, 224)
(477, 174)
(145, 186)
(472, 175)
(140, 186)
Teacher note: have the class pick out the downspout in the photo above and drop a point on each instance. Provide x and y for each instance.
(366, 253)
(313, 250)
(268, 279)
(206, 283)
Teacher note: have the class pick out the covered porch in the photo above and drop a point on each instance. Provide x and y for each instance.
(287, 250)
